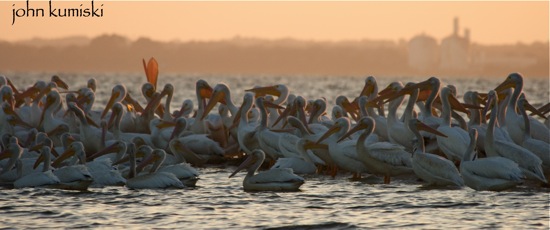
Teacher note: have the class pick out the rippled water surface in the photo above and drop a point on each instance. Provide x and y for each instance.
(323, 202)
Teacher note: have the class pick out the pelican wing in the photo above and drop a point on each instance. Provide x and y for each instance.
(438, 169)
(73, 173)
(276, 175)
(154, 181)
(390, 153)
(298, 165)
(494, 168)
(36, 180)
(181, 171)
(539, 148)
(287, 145)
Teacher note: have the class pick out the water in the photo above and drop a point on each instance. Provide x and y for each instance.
(323, 202)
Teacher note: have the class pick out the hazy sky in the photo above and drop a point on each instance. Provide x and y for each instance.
(489, 22)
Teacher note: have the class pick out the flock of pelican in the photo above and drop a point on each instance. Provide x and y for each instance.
(51, 136)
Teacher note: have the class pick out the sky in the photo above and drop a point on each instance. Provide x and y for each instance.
(493, 22)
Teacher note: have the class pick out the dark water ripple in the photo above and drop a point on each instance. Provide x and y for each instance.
(321, 205)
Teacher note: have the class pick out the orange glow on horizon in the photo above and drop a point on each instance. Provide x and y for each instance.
(489, 22)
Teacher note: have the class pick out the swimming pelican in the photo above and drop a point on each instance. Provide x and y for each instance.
(100, 169)
(153, 179)
(477, 121)
(427, 117)
(307, 134)
(246, 131)
(370, 91)
(72, 176)
(202, 91)
(344, 153)
(48, 121)
(89, 135)
(278, 179)
(268, 140)
(296, 155)
(118, 134)
(514, 122)
(183, 171)
(318, 113)
(197, 149)
(538, 147)
(529, 163)
(39, 179)
(491, 173)
(397, 131)
(166, 111)
(381, 158)
(433, 169)
(456, 139)
(221, 93)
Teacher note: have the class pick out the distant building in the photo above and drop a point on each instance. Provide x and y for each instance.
(423, 52)
(455, 50)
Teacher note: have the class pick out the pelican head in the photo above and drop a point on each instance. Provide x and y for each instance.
(256, 157)
(60, 83)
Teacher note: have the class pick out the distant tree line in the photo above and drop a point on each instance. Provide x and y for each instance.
(113, 53)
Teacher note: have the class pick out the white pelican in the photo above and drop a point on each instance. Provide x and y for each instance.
(538, 147)
(381, 158)
(529, 163)
(183, 171)
(197, 149)
(318, 113)
(101, 169)
(72, 176)
(118, 134)
(48, 121)
(300, 104)
(347, 107)
(153, 179)
(39, 179)
(279, 90)
(60, 83)
(433, 169)
(202, 91)
(476, 118)
(426, 115)
(221, 93)
(90, 136)
(456, 139)
(279, 179)
(167, 115)
(185, 110)
(397, 131)
(307, 134)
(92, 84)
(268, 140)
(491, 173)
(514, 122)
(162, 131)
(246, 131)
(31, 113)
(12, 151)
(296, 157)
(117, 95)
(344, 153)
(370, 91)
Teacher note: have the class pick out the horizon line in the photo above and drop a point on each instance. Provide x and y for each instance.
(133, 39)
